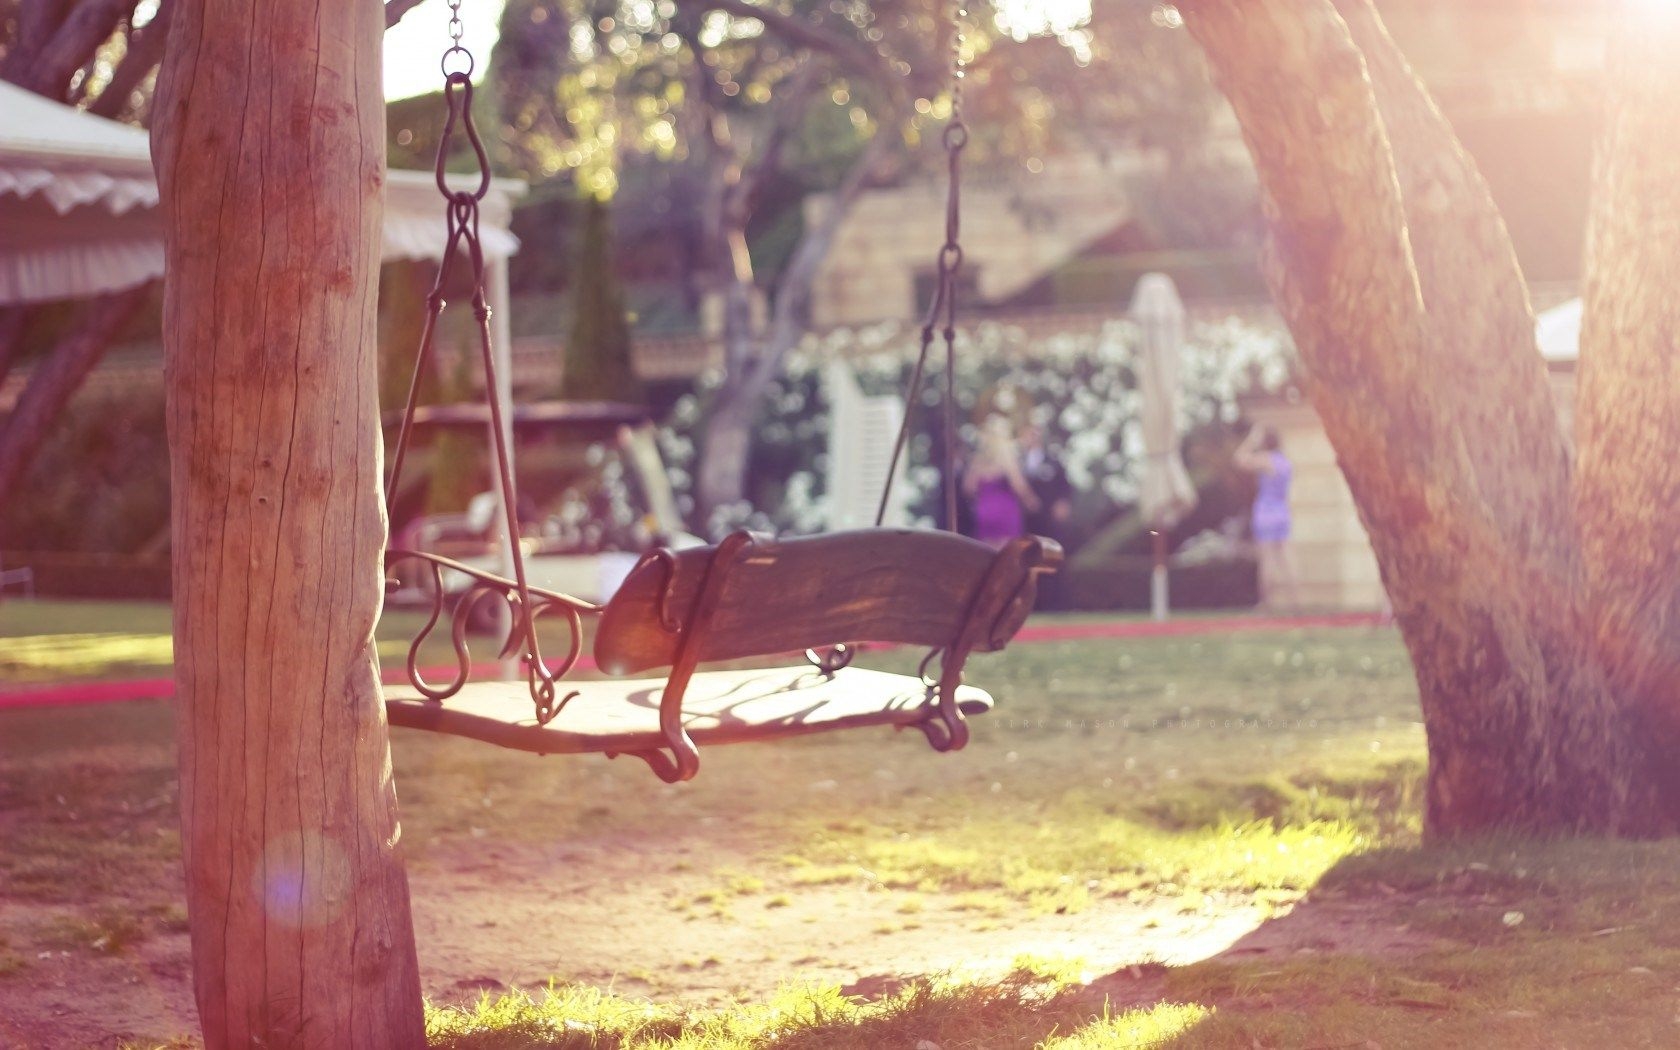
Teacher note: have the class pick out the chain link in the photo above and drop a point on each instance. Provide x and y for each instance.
(462, 58)
(958, 65)
(942, 311)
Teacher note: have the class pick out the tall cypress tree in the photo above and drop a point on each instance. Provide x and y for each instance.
(597, 363)
(456, 475)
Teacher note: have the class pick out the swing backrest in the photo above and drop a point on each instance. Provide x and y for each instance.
(919, 588)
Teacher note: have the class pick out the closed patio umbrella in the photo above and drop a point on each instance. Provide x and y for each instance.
(1166, 494)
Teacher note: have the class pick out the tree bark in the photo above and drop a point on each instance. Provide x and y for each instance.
(270, 149)
(1481, 333)
(1628, 415)
(1398, 284)
(55, 380)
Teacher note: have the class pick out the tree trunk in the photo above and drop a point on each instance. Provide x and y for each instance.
(1628, 415)
(270, 149)
(751, 360)
(1417, 358)
(56, 379)
(1481, 332)
(726, 441)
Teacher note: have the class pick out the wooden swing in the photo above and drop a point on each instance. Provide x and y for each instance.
(746, 597)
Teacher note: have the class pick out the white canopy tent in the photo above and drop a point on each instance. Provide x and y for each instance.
(78, 207)
(79, 215)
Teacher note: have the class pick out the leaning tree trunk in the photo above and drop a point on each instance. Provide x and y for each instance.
(55, 380)
(270, 148)
(726, 438)
(1399, 286)
(1628, 419)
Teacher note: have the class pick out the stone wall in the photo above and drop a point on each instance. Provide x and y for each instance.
(1013, 233)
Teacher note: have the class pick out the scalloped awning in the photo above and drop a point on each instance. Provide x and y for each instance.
(78, 205)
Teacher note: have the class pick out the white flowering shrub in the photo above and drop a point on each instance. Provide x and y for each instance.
(1079, 385)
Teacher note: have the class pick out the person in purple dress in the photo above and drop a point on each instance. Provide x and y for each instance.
(995, 486)
(1261, 453)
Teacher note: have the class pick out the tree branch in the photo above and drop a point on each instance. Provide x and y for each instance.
(1481, 333)
(1513, 735)
(56, 379)
(1626, 483)
(798, 31)
(36, 23)
(145, 51)
(793, 291)
(88, 24)
(1476, 300)
(396, 9)
(786, 117)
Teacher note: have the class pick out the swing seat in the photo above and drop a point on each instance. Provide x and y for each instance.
(621, 716)
(749, 597)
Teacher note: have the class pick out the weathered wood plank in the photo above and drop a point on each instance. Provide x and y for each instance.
(869, 585)
(719, 707)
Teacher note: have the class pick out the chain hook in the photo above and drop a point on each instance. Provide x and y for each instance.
(461, 215)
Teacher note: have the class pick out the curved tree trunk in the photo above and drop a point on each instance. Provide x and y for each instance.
(270, 147)
(1397, 280)
(1628, 420)
(1481, 334)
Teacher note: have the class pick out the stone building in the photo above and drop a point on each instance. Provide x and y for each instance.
(1014, 232)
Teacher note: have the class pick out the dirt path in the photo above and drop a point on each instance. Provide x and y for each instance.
(518, 918)
(651, 924)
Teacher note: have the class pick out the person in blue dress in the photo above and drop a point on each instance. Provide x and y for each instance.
(1261, 454)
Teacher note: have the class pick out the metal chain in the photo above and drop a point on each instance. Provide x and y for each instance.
(942, 311)
(456, 50)
(461, 214)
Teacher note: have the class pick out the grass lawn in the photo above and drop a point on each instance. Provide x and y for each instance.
(50, 641)
(1265, 775)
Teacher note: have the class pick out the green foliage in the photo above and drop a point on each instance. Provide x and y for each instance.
(668, 107)
(109, 930)
(455, 475)
(598, 364)
(402, 317)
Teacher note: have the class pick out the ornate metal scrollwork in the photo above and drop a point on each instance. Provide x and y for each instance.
(542, 676)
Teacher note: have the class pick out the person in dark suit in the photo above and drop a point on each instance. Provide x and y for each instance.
(1049, 481)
